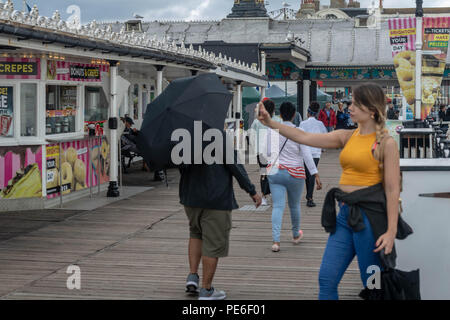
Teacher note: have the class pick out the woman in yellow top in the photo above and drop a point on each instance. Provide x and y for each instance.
(370, 161)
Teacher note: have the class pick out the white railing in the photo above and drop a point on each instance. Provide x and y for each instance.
(97, 32)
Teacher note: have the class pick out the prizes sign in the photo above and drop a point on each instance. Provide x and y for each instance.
(435, 47)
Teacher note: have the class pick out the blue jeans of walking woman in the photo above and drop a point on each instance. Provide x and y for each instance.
(282, 183)
(341, 248)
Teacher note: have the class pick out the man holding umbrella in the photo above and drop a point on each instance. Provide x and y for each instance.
(194, 106)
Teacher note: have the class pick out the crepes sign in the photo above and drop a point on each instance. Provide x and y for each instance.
(13, 68)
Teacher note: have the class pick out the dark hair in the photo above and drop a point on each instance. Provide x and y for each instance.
(287, 111)
(315, 106)
(270, 106)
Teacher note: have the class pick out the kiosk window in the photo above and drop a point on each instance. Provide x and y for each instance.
(28, 109)
(96, 105)
(61, 106)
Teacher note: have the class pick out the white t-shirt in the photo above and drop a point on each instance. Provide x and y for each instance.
(314, 126)
(293, 154)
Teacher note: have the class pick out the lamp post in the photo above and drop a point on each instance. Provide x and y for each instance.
(419, 43)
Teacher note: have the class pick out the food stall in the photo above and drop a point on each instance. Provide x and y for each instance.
(46, 104)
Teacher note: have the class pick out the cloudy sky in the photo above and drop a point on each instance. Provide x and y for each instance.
(112, 10)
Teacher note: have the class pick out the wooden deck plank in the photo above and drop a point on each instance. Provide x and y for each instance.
(136, 248)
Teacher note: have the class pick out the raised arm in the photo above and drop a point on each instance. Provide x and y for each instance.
(335, 139)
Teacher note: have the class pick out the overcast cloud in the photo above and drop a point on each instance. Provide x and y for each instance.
(112, 10)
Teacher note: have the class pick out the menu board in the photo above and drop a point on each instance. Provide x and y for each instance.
(6, 111)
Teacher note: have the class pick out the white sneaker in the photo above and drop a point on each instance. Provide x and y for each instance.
(264, 202)
(212, 294)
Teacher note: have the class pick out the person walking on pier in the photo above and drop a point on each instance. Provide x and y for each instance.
(315, 126)
(287, 176)
(206, 192)
(368, 193)
(258, 133)
(328, 117)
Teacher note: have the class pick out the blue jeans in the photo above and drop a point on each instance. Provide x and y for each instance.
(341, 248)
(280, 184)
(329, 129)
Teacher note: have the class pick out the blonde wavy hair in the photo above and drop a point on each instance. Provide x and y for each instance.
(372, 96)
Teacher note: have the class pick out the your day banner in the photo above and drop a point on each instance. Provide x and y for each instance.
(402, 34)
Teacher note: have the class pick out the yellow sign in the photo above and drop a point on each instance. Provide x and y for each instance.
(402, 32)
(52, 151)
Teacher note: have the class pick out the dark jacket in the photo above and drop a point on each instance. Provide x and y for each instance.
(391, 114)
(373, 201)
(211, 186)
(342, 120)
(447, 115)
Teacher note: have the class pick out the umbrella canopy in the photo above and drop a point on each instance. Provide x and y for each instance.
(201, 98)
(275, 92)
(250, 93)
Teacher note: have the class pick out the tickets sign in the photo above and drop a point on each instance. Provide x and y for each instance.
(435, 47)
(13, 68)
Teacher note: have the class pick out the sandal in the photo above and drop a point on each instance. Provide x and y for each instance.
(297, 240)
(275, 247)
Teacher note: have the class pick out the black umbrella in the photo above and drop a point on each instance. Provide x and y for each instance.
(201, 98)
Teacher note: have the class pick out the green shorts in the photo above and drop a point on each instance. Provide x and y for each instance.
(213, 228)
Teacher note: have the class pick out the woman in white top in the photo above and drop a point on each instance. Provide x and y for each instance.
(287, 175)
(315, 126)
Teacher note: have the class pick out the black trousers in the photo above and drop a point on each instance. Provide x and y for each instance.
(310, 181)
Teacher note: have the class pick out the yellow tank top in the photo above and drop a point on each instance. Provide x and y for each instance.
(358, 164)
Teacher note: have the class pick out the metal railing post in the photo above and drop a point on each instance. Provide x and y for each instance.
(60, 178)
(90, 166)
(120, 165)
(98, 165)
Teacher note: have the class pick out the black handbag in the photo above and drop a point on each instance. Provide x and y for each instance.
(395, 284)
(265, 187)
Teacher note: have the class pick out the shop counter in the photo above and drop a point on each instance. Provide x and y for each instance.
(426, 208)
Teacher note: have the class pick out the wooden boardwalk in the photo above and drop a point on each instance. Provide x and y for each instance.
(137, 249)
